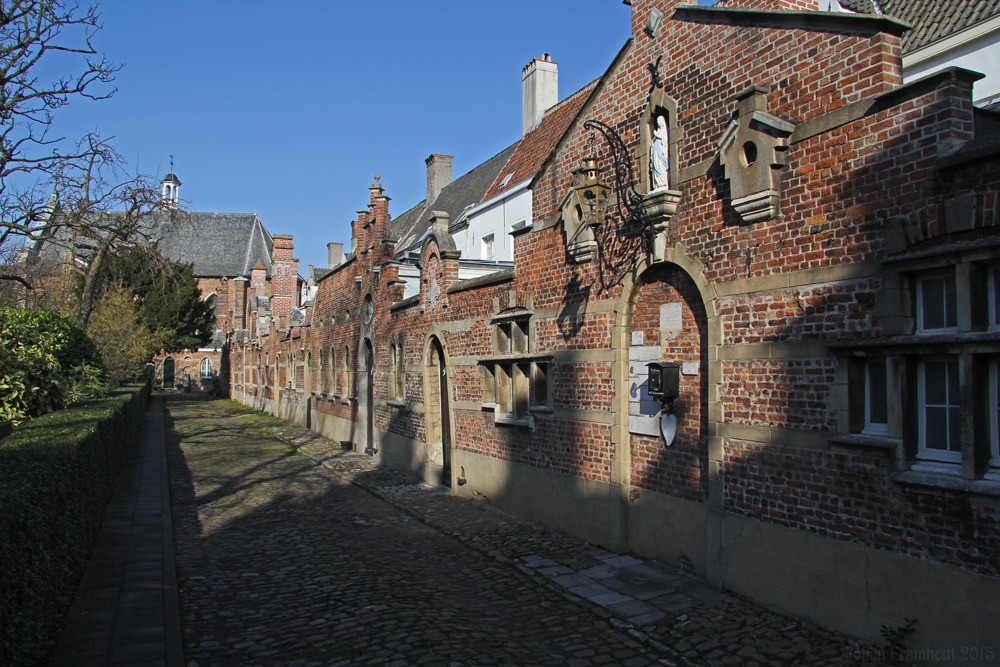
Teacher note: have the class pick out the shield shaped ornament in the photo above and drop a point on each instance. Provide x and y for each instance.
(668, 427)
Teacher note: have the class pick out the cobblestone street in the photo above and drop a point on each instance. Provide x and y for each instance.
(284, 561)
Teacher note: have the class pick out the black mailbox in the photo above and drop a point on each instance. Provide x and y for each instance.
(664, 382)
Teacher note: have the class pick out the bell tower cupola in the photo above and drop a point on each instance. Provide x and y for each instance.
(171, 187)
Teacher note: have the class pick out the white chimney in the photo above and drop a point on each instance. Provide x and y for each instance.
(334, 254)
(540, 85)
(438, 174)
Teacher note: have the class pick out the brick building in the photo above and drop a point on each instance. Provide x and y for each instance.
(811, 249)
(239, 266)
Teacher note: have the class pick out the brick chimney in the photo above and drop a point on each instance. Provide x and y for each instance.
(334, 254)
(438, 174)
(540, 86)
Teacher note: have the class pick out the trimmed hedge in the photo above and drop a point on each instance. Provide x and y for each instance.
(57, 475)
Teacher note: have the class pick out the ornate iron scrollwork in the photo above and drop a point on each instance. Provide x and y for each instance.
(629, 201)
(619, 246)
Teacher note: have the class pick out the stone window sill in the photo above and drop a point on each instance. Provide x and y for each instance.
(862, 441)
(508, 420)
(400, 405)
(938, 480)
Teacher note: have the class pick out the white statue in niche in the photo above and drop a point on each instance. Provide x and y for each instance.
(659, 160)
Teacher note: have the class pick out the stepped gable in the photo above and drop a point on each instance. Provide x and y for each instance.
(410, 227)
(538, 143)
(218, 244)
(931, 19)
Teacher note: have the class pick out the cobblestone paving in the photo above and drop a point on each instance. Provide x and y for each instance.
(281, 561)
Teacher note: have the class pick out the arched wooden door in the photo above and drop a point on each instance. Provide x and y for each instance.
(366, 395)
(168, 373)
(442, 419)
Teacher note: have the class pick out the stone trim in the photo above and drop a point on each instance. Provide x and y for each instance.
(780, 281)
(785, 437)
(784, 19)
(870, 106)
(405, 303)
(482, 281)
(776, 350)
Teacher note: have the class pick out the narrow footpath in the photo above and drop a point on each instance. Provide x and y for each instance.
(289, 551)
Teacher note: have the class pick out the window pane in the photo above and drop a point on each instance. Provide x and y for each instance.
(932, 303)
(878, 410)
(935, 383)
(995, 288)
(955, 429)
(951, 309)
(936, 428)
(539, 385)
(953, 392)
(520, 380)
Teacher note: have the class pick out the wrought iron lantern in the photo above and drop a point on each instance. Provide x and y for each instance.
(591, 195)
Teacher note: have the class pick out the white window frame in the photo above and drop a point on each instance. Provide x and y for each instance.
(875, 428)
(994, 470)
(920, 302)
(992, 292)
(489, 245)
(206, 361)
(946, 456)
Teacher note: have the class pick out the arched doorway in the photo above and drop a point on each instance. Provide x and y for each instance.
(366, 398)
(438, 415)
(168, 373)
(667, 321)
(308, 388)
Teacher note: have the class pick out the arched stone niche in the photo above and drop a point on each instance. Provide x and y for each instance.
(660, 104)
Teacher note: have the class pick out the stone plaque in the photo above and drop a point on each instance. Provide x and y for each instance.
(671, 317)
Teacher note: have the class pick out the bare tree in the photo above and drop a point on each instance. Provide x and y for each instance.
(55, 193)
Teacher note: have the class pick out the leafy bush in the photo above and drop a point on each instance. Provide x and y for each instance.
(124, 341)
(40, 352)
(57, 476)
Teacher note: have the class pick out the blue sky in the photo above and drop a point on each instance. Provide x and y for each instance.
(287, 109)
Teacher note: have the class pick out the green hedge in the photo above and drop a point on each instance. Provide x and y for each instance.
(57, 475)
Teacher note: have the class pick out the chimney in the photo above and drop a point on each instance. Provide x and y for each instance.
(438, 174)
(540, 86)
(334, 254)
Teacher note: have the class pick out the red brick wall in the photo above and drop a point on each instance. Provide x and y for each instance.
(837, 192)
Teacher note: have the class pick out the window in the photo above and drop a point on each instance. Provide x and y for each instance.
(936, 303)
(515, 381)
(488, 246)
(345, 374)
(393, 389)
(927, 390)
(993, 289)
(206, 368)
(940, 410)
(876, 398)
(333, 372)
(994, 471)
(400, 373)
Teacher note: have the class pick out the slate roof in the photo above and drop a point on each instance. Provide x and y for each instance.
(219, 244)
(536, 145)
(409, 228)
(931, 19)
